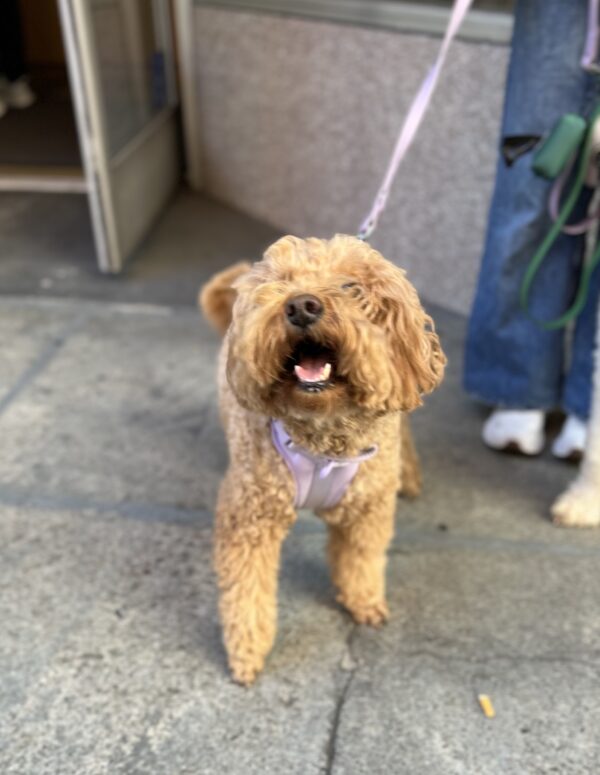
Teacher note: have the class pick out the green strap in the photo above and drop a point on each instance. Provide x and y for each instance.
(541, 253)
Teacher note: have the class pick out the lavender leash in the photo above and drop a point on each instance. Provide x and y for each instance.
(589, 60)
(414, 118)
(420, 104)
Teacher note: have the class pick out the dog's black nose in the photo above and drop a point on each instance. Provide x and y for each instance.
(304, 310)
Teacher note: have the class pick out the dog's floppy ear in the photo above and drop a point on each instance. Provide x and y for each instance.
(418, 359)
(217, 297)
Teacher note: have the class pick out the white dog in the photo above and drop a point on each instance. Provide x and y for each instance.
(579, 506)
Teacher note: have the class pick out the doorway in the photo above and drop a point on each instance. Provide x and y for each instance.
(39, 147)
(104, 124)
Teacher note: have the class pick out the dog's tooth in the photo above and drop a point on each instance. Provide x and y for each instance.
(326, 373)
(298, 372)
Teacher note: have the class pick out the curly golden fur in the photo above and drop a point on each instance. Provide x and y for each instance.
(386, 355)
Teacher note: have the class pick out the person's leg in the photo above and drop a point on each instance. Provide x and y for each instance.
(577, 389)
(579, 506)
(510, 361)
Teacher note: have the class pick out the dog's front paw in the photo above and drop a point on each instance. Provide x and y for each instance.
(244, 670)
(373, 614)
(579, 506)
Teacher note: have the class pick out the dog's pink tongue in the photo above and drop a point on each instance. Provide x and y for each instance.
(311, 369)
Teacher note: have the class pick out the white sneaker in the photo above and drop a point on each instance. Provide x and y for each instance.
(3, 107)
(515, 430)
(19, 94)
(570, 442)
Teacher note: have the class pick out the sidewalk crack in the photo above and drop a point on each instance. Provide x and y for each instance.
(42, 361)
(331, 747)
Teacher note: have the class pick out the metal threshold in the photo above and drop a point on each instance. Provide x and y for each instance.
(43, 179)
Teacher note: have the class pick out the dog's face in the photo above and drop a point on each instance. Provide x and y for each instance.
(324, 328)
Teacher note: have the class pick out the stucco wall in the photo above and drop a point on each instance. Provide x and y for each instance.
(297, 119)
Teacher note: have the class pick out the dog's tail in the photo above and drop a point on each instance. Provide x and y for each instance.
(216, 298)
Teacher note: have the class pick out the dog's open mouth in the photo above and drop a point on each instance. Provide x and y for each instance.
(312, 366)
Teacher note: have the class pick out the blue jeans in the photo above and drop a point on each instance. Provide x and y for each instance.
(511, 361)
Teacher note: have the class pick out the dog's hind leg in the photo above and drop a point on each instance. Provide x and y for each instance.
(410, 467)
(249, 533)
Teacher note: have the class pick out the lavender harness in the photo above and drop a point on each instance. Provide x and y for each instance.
(321, 482)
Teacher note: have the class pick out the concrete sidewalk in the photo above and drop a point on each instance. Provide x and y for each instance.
(110, 655)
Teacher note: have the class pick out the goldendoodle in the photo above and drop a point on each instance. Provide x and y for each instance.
(326, 348)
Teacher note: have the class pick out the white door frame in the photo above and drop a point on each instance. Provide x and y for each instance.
(81, 76)
(127, 187)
